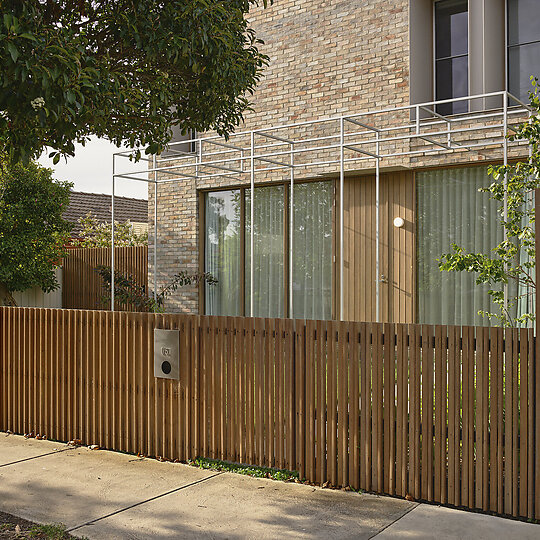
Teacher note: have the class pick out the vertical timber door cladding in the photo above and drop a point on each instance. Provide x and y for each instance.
(397, 248)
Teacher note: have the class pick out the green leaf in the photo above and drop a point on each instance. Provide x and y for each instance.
(26, 35)
(198, 53)
(13, 51)
(32, 230)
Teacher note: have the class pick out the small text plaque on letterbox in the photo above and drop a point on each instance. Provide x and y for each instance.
(166, 354)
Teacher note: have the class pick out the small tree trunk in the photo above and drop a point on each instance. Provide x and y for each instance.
(6, 299)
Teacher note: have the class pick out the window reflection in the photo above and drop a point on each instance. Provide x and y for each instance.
(523, 46)
(228, 251)
(451, 54)
(222, 252)
(268, 254)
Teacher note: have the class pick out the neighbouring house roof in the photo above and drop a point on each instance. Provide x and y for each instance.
(99, 205)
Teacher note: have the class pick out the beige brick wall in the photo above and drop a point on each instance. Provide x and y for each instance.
(330, 57)
(327, 58)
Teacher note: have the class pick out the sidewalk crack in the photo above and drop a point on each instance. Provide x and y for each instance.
(91, 522)
(35, 457)
(395, 521)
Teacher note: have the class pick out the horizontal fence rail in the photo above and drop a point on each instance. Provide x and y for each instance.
(83, 288)
(442, 413)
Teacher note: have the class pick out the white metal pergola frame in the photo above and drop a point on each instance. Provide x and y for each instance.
(435, 131)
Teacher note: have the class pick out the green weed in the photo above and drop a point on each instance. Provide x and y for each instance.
(248, 470)
(50, 532)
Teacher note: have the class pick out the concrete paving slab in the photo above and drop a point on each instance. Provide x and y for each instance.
(233, 506)
(79, 485)
(429, 521)
(11, 449)
(102, 494)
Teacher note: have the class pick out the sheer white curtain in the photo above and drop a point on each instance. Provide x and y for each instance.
(312, 251)
(222, 252)
(452, 210)
(268, 253)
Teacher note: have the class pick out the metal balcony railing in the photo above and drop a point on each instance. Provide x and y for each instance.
(335, 145)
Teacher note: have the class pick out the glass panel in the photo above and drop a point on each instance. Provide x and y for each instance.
(268, 251)
(312, 251)
(451, 28)
(523, 21)
(452, 210)
(523, 61)
(222, 252)
(452, 82)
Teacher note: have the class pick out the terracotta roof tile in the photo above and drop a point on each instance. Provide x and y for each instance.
(99, 205)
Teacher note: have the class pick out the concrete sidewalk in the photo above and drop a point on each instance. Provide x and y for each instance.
(101, 494)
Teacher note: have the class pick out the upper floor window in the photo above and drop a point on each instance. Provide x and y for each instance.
(523, 46)
(451, 54)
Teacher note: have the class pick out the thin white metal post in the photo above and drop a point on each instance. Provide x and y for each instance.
(155, 226)
(252, 224)
(341, 218)
(291, 234)
(505, 162)
(377, 231)
(531, 299)
(112, 237)
(199, 157)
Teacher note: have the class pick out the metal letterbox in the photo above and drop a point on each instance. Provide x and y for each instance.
(166, 354)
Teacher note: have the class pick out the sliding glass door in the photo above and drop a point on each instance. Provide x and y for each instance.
(312, 251)
(268, 259)
(222, 252)
(452, 210)
(227, 251)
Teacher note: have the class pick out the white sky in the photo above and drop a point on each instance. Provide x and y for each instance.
(91, 170)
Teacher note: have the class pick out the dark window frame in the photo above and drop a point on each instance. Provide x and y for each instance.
(455, 107)
(203, 193)
(512, 47)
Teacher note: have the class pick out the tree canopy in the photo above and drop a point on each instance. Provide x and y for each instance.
(126, 70)
(99, 234)
(32, 230)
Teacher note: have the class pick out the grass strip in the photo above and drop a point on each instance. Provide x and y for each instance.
(282, 475)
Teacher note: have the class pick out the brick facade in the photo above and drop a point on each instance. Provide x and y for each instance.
(331, 57)
(327, 59)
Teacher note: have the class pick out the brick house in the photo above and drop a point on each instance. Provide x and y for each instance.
(98, 205)
(342, 234)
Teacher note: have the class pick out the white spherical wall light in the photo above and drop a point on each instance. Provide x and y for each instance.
(399, 222)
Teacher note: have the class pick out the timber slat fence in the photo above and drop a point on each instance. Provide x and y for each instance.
(82, 286)
(445, 414)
